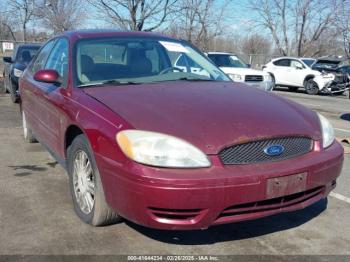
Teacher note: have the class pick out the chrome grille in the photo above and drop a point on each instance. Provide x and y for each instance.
(254, 78)
(253, 152)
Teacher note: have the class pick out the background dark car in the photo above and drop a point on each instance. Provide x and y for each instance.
(344, 69)
(338, 66)
(15, 65)
(328, 64)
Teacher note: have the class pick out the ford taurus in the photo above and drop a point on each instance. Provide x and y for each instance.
(165, 147)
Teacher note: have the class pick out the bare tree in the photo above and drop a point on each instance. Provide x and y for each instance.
(256, 44)
(6, 24)
(137, 15)
(61, 15)
(343, 26)
(24, 10)
(199, 22)
(309, 19)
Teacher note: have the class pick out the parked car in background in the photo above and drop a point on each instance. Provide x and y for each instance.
(336, 66)
(328, 64)
(344, 69)
(144, 140)
(240, 72)
(15, 65)
(294, 73)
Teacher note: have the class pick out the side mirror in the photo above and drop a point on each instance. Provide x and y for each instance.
(7, 59)
(48, 76)
(249, 65)
(298, 67)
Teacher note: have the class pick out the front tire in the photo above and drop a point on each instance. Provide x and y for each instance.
(86, 187)
(13, 94)
(311, 87)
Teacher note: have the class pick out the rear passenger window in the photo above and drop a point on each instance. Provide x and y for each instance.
(41, 58)
(282, 62)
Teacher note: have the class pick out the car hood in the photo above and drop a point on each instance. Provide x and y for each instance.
(210, 115)
(242, 71)
(20, 66)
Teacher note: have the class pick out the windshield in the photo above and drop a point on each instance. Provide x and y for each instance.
(26, 53)
(308, 62)
(223, 60)
(122, 60)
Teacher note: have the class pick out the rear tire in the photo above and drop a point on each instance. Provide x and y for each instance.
(27, 132)
(86, 187)
(311, 87)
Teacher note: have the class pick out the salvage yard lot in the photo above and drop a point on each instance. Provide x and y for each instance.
(37, 217)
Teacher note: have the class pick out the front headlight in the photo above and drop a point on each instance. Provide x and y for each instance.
(160, 150)
(17, 72)
(328, 135)
(236, 77)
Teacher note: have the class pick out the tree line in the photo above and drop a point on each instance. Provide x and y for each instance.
(270, 27)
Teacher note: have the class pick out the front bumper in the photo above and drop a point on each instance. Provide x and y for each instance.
(264, 85)
(333, 88)
(196, 199)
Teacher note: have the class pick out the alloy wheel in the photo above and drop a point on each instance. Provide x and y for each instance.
(83, 182)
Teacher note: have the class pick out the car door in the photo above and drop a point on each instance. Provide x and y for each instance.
(280, 70)
(295, 73)
(51, 96)
(29, 89)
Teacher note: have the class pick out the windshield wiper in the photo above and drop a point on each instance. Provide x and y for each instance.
(114, 82)
(193, 79)
(117, 82)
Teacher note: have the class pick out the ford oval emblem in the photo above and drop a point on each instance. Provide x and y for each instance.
(274, 150)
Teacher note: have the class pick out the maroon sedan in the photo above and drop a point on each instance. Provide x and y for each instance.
(168, 142)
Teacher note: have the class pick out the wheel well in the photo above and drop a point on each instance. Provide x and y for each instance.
(308, 77)
(272, 76)
(71, 133)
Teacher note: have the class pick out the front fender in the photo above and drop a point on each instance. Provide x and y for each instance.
(323, 81)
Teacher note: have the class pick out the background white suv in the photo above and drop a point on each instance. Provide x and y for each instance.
(239, 71)
(295, 73)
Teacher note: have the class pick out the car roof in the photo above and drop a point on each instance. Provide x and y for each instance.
(285, 57)
(94, 33)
